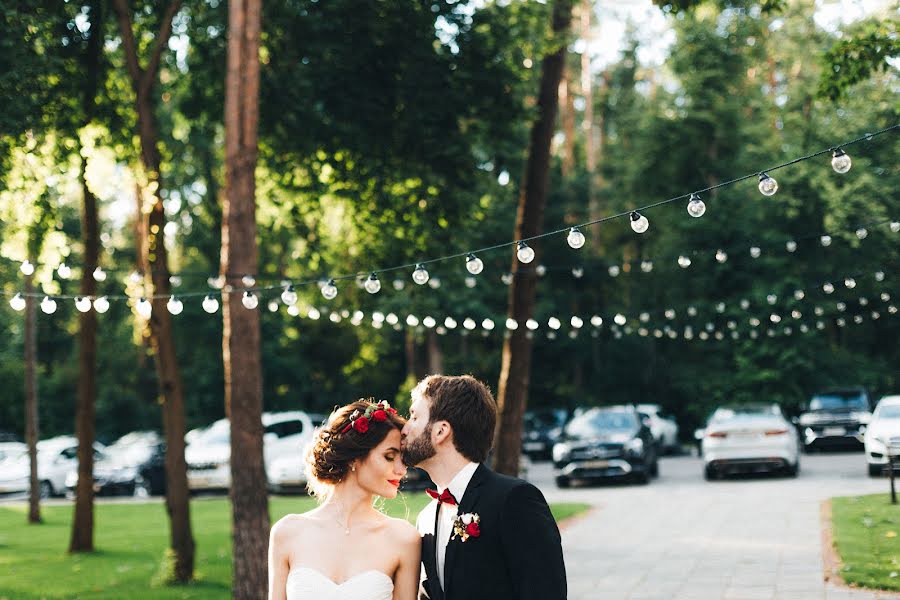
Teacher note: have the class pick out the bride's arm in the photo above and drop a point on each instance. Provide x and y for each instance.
(406, 579)
(278, 561)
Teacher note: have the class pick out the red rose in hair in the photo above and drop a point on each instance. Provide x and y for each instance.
(379, 415)
(473, 530)
(361, 425)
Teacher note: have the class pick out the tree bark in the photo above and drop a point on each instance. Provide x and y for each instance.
(567, 108)
(32, 425)
(82, 539)
(154, 259)
(241, 339)
(591, 149)
(515, 370)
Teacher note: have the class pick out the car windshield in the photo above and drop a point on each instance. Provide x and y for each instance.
(889, 411)
(595, 422)
(838, 401)
(744, 412)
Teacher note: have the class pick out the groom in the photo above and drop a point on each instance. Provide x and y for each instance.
(485, 535)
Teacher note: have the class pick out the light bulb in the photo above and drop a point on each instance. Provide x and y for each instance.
(798, 294)
(99, 274)
(850, 282)
(577, 272)
(175, 280)
(329, 290)
(646, 266)
(720, 307)
(828, 288)
(420, 275)
(696, 207)
(620, 319)
(825, 240)
(895, 226)
(512, 324)
(577, 322)
(434, 283)
(64, 271)
(575, 238)
(248, 280)
(691, 311)
(48, 305)
(554, 323)
(524, 252)
(771, 298)
(755, 252)
(861, 233)
(487, 325)
(250, 301)
(507, 278)
(644, 317)
(596, 320)
(372, 284)
(879, 275)
(471, 281)
(670, 313)
(144, 308)
(314, 315)
(639, 222)
(450, 323)
(174, 305)
(210, 304)
(721, 256)
(27, 268)
(18, 302)
(684, 262)
(101, 304)
(745, 304)
(614, 271)
(469, 324)
(474, 264)
(399, 284)
(541, 270)
(82, 304)
(273, 306)
(791, 246)
(532, 324)
(289, 296)
(135, 277)
(840, 161)
(411, 320)
(767, 185)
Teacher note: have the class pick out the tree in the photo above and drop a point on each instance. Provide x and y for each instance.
(241, 336)
(154, 260)
(512, 391)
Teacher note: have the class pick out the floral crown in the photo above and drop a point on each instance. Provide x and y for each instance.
(376, 411)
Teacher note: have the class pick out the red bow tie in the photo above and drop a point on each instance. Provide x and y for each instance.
(444, 497)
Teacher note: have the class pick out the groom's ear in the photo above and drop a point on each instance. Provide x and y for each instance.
(440, 432)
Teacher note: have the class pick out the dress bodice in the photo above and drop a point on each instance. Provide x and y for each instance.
(304, 583)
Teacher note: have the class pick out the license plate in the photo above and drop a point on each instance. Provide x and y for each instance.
(534, 446)
(834, 431)
(594, 464)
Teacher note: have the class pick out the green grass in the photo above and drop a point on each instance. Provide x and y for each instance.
(131, 540)
(866, 533)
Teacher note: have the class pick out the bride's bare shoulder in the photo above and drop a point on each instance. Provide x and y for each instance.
(290, 525)
(402, 531)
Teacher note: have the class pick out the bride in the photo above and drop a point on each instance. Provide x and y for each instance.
(345, 549)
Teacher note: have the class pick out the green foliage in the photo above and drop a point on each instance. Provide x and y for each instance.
(857, 58)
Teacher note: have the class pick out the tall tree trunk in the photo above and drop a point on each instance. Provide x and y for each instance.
(154, 257)
(32, 426)
(587, 90)
(515, 370)
(241, 339)
(435, 354)
(82, 539)
(567, 108)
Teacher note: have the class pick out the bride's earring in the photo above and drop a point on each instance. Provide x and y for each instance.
(353, 468)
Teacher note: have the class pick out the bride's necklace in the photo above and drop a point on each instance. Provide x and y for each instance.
(345, 527)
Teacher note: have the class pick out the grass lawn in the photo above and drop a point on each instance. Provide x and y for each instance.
(866, 530)
(131, 541)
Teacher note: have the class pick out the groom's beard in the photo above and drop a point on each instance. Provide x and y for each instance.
(419, 449)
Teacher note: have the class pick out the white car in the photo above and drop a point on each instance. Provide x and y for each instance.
(55, 458)
(11, 450)
(208, 455)
(662, 426)
(750, 438)
(883, 435)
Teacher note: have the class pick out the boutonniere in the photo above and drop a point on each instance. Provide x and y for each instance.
(466, 526)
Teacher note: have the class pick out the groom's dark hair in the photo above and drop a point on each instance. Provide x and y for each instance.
(469, 407)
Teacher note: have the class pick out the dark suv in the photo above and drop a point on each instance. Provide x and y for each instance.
(606, 442)
(835, 418)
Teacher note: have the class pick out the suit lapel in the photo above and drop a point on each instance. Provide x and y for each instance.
(466, 504)
(429, 556)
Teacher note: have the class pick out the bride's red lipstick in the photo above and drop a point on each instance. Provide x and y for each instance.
(394, 482)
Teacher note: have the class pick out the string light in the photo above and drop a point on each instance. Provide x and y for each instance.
(696, 208)
(329, 290)
(372, 284)
(18, 302)
(420, 275)
(639, 222)
(64, 271)
(767, 185)
(144, 308)
(101, 304)
(474, 265)
(825, 240)
(82, 304)
(575, 238)
(524, 252)
(99, 275)
(895, 226)
(174, 306)
(512, 324)
(250, 301)
(840, 161)
(684, 262)
(434, 282)
(289, 295)
(48, 305)
(755, 252)
(210, 304)
(791, 246)
(248, 280)
(861, 233)
(721, 256)
(27, 268)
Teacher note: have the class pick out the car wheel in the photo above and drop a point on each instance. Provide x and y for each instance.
(563, 482)
(654, 469)
(641, 477)
(875, 470)
(709, 473)
(46, 490)
(792, 470)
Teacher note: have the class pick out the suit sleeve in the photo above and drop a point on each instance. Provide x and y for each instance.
(532, 547)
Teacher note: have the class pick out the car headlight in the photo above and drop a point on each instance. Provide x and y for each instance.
(635, 446)
(72, 479)
(561, 452)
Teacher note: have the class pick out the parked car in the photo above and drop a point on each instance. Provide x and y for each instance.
(134, 465)
(209, 454)
(605, 442)
(750, 438)
(662, 426)
(835, 418)
(541, 429)
(883, 436)
(55, 458)
(12, 450)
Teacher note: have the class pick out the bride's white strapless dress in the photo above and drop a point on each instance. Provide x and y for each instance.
(304, 583)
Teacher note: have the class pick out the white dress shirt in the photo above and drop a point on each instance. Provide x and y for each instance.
(448, 514)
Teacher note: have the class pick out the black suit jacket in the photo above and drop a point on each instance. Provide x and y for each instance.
(518, 555)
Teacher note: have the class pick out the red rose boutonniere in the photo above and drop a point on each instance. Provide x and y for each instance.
(466, 526)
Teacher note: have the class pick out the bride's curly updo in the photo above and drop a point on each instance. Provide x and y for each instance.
(350, 433)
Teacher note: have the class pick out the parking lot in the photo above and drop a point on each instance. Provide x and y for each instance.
(681, 537)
